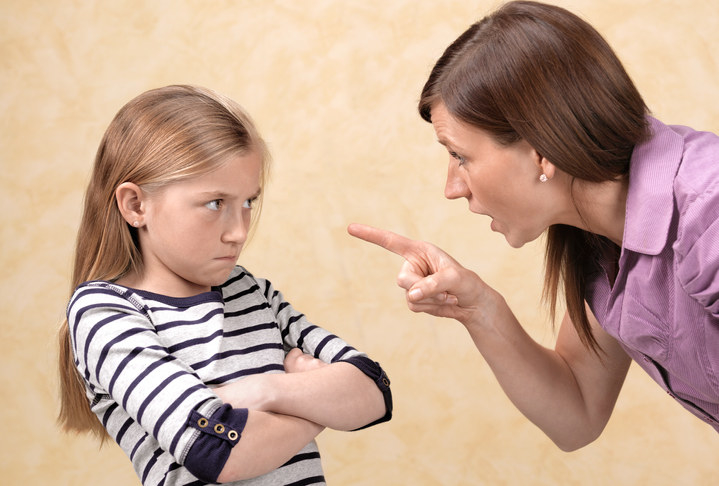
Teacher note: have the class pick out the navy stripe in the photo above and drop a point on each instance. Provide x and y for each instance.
(121, 366)
(196, 341)
(305, 456)
(234, 279)
(241, 294)
(200, 320)
(247, 330)
(106, 349)
(252, 371)
(282, 306)
(304, 334)
(92, 333)
(106, 305)
(108, 413)
(150, 463)
(322, 344)
(235, 352)
(123, 429)
(173, 467)
(248, 310)
(137, 446)
(268, 286)
(154, 393)
(165, 359)
(171, 408)
(342, 352)
(311, 480)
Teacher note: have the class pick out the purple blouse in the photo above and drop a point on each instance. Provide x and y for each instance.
(664, 305)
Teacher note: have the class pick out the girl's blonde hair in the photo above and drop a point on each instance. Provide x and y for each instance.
(162, 136)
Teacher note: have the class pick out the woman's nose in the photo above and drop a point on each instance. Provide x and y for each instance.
(455, 186)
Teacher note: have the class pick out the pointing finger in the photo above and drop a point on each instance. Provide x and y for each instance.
(393, 242)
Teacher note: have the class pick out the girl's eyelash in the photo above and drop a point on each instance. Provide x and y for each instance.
(214, 205)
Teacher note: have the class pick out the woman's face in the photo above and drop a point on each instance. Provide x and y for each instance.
(499, 181)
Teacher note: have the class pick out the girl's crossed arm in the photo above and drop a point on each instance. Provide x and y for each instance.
(337, 395)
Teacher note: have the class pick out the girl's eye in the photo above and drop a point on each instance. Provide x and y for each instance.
(249, 203)
(214, 205)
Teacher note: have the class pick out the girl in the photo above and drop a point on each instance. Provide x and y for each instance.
(546, 132)
(200, 371)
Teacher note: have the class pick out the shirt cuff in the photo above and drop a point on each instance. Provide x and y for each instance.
(219, 433)
(377, 374)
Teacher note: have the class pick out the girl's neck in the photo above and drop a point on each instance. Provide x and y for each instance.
(174, 288)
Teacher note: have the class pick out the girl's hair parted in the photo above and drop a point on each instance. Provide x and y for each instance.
(162, 136)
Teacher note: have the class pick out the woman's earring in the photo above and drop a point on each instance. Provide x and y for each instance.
(543, 178)
(136, 224)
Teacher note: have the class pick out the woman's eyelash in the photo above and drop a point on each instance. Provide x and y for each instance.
(455, 155)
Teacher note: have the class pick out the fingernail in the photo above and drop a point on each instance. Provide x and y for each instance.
(415, 294)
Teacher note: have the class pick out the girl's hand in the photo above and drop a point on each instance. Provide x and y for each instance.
(296, 362)
(435, 282)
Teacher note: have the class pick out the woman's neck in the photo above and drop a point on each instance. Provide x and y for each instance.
(601, 207)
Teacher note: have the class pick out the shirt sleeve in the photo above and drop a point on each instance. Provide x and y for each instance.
(119, 354)
(298, 332)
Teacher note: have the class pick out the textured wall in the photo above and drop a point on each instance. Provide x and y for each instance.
(332, 85)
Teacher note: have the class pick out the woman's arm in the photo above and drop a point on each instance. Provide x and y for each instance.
(569, 392)
(337, 395)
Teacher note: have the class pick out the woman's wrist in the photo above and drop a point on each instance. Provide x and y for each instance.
(488, 311)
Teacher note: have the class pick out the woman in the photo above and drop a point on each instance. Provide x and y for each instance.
(546, 132)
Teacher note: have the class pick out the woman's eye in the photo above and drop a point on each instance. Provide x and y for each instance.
(458, 157)
(249, 203)
(214, 205)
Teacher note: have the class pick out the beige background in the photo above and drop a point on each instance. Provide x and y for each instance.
(332, 85)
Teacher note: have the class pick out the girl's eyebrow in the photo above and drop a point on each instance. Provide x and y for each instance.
(224, 195)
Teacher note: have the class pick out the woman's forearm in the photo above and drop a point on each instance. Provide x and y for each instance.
(568, 392)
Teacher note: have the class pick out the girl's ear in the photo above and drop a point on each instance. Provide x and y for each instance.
(130, 202)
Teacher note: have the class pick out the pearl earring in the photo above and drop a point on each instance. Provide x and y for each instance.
(136, 224)
(543, 178)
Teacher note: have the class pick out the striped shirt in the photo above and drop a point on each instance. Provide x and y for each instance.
(149, 362)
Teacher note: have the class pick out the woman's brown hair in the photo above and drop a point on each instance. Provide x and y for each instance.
(162, 136)
(536, 72)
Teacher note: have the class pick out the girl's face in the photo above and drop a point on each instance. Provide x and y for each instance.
(499, 181)
(193, 230)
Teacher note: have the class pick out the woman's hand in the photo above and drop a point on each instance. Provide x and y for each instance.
(434, 282)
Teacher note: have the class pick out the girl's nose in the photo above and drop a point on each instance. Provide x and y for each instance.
(237, 228)
(455, 186)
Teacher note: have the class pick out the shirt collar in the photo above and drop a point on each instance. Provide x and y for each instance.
(650, 201)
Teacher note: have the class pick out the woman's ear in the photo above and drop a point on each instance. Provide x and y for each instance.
(548, 168)
(545, 167)
(130, 202)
